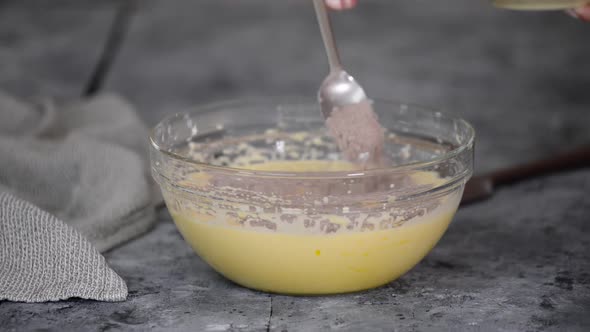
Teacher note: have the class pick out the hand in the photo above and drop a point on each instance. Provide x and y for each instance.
(340, 4)
(582, 13)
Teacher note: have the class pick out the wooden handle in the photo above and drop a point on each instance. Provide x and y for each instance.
(574, 159)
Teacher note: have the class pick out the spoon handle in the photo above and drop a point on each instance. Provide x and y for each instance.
(327, 35)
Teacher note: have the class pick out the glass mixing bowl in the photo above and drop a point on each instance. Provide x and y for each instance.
(259, 191)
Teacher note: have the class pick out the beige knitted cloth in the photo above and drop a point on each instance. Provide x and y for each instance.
(73, 182)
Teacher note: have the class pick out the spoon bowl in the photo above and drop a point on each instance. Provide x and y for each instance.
(338, 90)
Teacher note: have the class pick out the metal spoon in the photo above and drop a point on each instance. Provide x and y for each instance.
(338, 88)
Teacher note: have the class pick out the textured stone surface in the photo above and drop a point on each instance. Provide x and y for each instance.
(517, 262)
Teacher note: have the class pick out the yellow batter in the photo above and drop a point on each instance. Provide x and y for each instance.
(314, 263)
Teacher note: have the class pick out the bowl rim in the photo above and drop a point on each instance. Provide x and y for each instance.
(212, 106)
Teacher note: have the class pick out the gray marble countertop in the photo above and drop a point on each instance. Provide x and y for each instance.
(517, 262)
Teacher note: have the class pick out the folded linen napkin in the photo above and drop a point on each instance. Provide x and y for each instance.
(74, 182)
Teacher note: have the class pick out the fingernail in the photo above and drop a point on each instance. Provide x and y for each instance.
(341, 4)
(572, 13)
(334, 4)
(347, 4)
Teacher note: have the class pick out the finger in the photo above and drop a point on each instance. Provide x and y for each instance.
(584, 13)
(341, 4)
